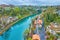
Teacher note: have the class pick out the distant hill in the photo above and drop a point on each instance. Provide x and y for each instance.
(4, 5)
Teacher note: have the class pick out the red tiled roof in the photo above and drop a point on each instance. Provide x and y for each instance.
(35, 37)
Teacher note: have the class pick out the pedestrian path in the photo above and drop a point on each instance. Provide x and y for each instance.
(40, 32)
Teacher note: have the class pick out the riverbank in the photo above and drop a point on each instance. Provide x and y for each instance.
(12, 23)
(32, 30)
(8, 26)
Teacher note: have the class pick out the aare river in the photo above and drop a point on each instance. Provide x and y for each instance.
(16, 32)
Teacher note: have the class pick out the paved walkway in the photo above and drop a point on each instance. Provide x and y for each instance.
(40, 31)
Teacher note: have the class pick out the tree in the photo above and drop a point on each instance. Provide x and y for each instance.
(49, 15)
(16, 10)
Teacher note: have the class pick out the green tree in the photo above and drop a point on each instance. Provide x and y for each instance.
(17, 10)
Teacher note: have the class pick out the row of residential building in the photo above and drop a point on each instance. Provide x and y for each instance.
(5, 20)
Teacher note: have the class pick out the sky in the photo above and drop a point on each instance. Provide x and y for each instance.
(31, 2)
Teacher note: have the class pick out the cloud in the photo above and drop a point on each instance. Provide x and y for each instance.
(1, 2)
(31, 2)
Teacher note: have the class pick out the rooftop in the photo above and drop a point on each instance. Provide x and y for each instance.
(35, 37)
